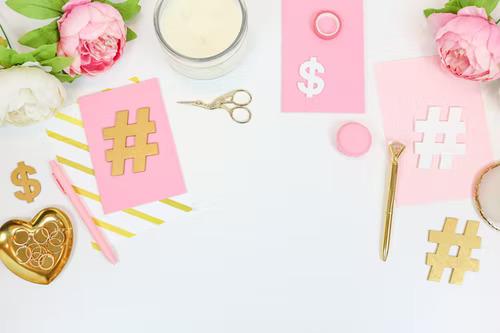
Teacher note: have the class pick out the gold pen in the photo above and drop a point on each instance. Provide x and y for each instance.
(396, 149)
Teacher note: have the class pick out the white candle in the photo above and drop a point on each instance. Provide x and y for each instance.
(201, 28)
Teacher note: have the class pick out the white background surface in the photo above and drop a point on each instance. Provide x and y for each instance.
(286, 231)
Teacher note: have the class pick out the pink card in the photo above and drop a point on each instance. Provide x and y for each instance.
(441, 120)
(323, 63)
(131, 146)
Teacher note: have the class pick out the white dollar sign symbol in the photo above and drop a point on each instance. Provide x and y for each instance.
(315, 84)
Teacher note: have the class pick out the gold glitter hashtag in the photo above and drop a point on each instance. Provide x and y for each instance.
(460, 263)
(141, 148)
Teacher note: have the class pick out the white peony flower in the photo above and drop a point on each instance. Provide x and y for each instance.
(28, 95)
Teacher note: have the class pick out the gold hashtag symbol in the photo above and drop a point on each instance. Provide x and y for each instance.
(460, 263)
(139, 151)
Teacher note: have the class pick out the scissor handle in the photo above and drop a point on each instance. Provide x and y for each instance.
(232, 95)
(240, 121)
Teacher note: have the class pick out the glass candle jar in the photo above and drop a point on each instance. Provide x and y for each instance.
(203, 39)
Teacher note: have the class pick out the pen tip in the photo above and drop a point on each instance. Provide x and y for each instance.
(385, 254)
(111, 258)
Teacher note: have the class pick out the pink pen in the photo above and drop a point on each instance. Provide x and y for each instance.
(65, 184)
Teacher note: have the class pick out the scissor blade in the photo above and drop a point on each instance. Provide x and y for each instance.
(187, 102)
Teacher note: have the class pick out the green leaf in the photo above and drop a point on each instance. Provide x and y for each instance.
(489, 5)
(57, 63)
(5, 56)
(3, 42)
(9, 57)
(131, 35)
(19, 59)
(45, 52)
(453, 6)
(37, 9)
(64, 77)
(128, 9)
(428, 12)
(48, 34)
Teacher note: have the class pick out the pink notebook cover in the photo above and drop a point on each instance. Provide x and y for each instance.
(408, 90)
(162, 177)
(342, 58)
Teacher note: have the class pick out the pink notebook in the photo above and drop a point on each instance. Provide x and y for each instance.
(441, 120)
(322, 75)
(161, 176)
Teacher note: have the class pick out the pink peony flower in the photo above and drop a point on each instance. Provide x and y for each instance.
(469, 44)
(93, 33)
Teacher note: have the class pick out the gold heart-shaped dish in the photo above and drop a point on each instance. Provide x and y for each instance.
(38, 250)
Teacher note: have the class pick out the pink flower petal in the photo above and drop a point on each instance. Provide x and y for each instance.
(473, 11)
(494, 43)
(69, 45)
(75, 66)
(107, 10)
(93, 31)
(74, 3)
(62, 19)
(466, 27)
(98, 16)
(117, 30)
(97, 67)
(75, 21)
(438, 20)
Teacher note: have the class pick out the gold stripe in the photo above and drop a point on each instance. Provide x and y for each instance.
(75, 165)
(143, 216)
(130, 211)
(67, 140)
(135, 79)
(87, 194)
(69, 119)
(113, 228)
(176, 204)
(107, 89)
(92, 196)
(95, 246)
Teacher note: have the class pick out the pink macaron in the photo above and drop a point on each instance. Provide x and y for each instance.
(354, 139)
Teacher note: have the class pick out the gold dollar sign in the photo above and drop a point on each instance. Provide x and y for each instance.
(20, 177)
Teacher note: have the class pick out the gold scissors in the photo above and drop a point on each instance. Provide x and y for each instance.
(228, 103)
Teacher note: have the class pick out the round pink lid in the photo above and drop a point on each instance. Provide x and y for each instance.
(354, 139)
(326, 24)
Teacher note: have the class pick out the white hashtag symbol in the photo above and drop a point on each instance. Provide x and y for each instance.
(433, 126)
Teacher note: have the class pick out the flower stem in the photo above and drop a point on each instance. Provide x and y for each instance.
(498, 21)
(5, 35)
